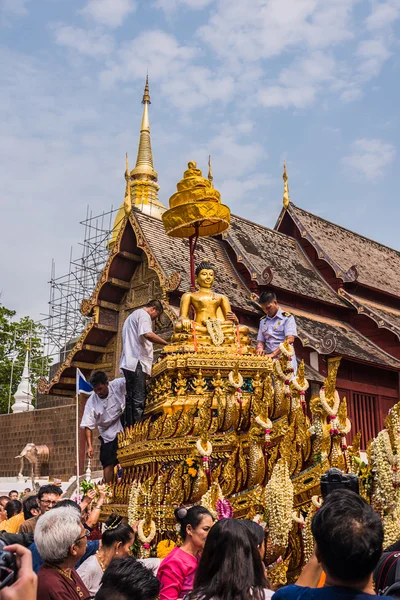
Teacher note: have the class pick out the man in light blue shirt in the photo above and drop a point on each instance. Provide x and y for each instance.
(275, 327)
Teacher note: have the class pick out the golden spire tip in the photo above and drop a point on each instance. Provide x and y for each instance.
(286, 197)
(146, 95)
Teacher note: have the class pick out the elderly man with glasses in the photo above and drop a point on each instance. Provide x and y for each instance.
(61, 540)
(48, 496)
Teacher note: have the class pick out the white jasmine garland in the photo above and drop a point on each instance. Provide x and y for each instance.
(288, 353)
(266, 425)
(232, 381)
(316, 502)
(298, 387)
(331, 412)
(204, 453)
(142, 537)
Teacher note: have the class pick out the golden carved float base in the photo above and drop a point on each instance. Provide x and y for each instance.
(231, 432)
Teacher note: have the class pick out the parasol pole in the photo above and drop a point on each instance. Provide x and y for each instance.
(192, 247)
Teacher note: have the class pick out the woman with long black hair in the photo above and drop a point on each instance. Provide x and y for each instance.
(230, 567)
(177, 570)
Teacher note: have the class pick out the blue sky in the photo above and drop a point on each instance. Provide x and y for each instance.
(252, 83)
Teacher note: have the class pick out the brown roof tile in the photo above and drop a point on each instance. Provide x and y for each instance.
(330, 335)
(377, 265)
(389, 318)
(291, 268)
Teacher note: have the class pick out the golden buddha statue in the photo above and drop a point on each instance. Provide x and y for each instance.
(214, 325)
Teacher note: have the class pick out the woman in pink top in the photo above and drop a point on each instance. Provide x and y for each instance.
(176, 572)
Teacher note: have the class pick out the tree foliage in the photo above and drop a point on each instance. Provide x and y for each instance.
(16, 336)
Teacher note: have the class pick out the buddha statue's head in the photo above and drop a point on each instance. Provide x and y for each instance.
(205, 274)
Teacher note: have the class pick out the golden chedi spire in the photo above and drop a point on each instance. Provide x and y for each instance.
(286, 197)
(141, 183)
(144, 162)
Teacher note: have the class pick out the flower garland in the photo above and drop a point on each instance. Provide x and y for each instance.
(136, 488)
(298, 519)
(205, 454)
(267, 426)
(278, 498)
(215, 331)
(285, 377)
(259, 520)
(146, 539)
(301, 389)
(331, 412)
(384, 496)
(237, 385)
(287, 352)
(316, 502)
(224, 509)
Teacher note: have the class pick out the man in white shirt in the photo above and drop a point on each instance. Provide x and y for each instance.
(103, 410)
(137, 357)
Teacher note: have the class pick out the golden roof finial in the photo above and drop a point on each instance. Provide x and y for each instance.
(144, 169)
(210, 175)
(126, 165)
(286, 197)
(127, 199)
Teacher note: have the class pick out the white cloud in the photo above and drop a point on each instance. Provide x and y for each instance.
(156, 51)
(183, 83)
(15, 8)
(299, 84)
(383, 14)
(259, 29)
(110, 13)
(169, 6)
(370, 157)
(373, 54)
(86, 42)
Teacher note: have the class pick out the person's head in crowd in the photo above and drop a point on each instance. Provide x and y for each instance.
(31, 507)
(27, 490)
(48, 496)
(12, 508)
(258, 535)
(230, 565)
(99, 383)
(60, 537)
(3, 502)
(127, 579)
(195, 524)
(154, 308)
(118, 537)
(13, 495)
(348, 537)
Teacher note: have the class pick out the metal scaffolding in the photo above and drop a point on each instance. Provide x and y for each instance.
(64, 322)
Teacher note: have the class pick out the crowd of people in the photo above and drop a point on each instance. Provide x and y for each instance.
(216, 560)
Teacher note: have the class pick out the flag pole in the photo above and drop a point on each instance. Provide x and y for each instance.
(77, 445)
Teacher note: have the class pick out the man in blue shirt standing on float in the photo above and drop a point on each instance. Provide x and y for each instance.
(275, 328)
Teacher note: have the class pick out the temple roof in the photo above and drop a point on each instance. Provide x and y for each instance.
(352, 256)
(329, 336)
(277, 259)
(385, 317)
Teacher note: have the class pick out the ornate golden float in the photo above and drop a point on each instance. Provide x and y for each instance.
(229, 429)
